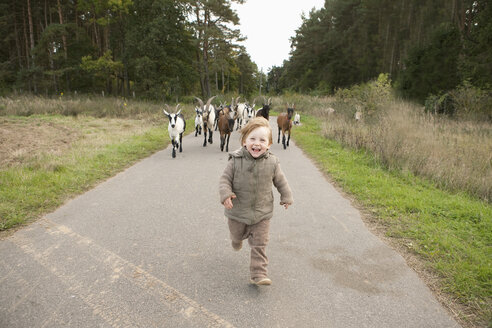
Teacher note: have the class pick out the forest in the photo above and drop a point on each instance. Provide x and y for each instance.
(165, 49)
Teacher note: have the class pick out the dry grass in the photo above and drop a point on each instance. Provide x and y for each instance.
(456, 155)
(48, 137)
(73, 106)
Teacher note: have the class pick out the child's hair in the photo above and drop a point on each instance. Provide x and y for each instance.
(254, 123)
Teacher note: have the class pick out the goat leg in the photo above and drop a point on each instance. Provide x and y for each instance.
(205, 136)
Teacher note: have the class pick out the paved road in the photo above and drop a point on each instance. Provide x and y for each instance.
(150, 248)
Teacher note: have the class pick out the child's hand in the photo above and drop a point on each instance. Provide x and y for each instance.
(228, 202)
(285, 205)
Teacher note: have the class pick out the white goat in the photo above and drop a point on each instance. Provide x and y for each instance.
(198, 121)
(358, 114)
(297, 119)
(176, 127)
(208, 111)
(248, 113)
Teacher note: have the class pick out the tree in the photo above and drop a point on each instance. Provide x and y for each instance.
(210, 27)
(160, 49)
(103, 68)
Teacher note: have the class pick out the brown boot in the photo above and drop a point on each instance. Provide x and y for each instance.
(237, 245)
(261, 281)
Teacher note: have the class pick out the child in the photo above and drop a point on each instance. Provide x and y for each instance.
(245, 190)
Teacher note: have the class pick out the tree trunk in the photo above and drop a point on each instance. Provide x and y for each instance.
(26, 40)
(31, 38)
(64, 38)
(200, 71)
(76, 20)
(206, 77)
(223, 80)
(17, 39)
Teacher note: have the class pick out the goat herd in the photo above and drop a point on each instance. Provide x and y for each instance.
(209, 118)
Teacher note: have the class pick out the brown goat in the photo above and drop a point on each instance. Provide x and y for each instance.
(227, 117)
(284, 122)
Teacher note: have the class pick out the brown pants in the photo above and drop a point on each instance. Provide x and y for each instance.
(257, 235)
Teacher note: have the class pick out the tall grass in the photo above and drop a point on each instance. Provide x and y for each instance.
(95, 106)
(455, 154)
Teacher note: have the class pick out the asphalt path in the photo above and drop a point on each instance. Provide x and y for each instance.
(150, 248)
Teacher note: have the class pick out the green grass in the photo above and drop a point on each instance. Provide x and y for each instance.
(29, 191)
(450, 232)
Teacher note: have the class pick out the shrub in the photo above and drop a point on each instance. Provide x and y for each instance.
(443, 104)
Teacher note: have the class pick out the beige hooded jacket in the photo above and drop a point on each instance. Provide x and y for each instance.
(250, 180)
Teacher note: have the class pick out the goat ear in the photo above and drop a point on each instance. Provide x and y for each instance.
(165, 112)
(179, 111)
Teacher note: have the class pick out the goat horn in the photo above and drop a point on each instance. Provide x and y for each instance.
(264, 100)
(269, 101)
(200, 101)
(209, 101)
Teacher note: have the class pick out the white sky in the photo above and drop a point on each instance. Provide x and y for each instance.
(269, 25)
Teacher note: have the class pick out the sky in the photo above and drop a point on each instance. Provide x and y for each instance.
(269, 25)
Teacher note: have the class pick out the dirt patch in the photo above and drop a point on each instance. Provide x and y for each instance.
(23, 140)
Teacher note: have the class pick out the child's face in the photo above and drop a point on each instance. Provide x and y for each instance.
(257, 142)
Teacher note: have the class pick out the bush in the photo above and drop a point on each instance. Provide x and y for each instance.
(443, 104)
(465, 102)
(370, 97)
(472, 102)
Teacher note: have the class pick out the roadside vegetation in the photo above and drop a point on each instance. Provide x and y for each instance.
(54, 149)
(424, 180)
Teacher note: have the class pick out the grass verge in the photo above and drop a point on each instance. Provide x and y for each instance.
(41, 184)
(449, 232)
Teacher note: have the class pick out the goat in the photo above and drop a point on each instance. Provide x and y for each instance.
(176, 128)
(358, 114)
(265, 110)
(285, 124)
(198, 121)
(245, 112)
(218, 110)
(297, 119)
(226, 125)
(208, 111)
(248, 113)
